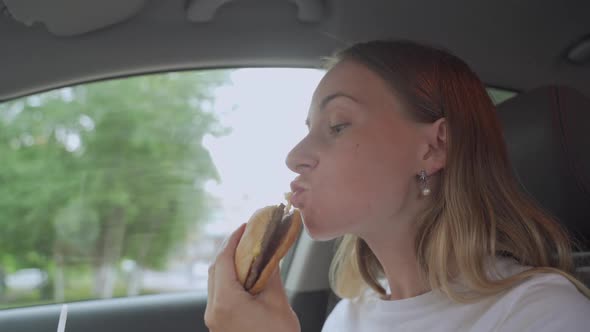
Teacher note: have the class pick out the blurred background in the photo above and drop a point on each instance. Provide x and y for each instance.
(128, 186)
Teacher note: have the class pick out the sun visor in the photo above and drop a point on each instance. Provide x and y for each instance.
(72, 17)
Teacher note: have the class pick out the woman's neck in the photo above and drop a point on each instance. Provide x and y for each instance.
(394, 248)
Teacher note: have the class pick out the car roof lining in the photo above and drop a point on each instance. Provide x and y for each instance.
(82, 16)
(516, 45)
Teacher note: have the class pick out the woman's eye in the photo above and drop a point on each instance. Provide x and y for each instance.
(337, 129)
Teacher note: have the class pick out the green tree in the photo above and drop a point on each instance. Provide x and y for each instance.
(103, 171)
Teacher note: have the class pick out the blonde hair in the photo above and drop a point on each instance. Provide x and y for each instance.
(478, 209)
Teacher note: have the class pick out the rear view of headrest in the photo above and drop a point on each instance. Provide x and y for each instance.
(547, 131)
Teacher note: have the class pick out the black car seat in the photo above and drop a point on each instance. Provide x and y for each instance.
(547, 131)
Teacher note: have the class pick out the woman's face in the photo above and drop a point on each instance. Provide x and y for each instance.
(357, 165)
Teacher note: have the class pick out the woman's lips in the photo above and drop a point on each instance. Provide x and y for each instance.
(298, 189)
(297, 198)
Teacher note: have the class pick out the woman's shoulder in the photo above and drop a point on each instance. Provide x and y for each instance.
(549, 287)
(540, 282)
(547, 302)
(348, 311)
(349, 306)
(339, 317)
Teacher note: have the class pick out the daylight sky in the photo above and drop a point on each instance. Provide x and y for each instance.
(266, 109)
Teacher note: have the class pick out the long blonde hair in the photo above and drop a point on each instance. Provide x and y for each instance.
(478, 209)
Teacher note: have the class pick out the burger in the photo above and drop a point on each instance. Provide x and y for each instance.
(269, 234)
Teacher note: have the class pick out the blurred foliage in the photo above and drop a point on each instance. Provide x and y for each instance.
(105, 171)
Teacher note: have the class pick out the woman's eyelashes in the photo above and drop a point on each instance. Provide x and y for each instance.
(338, 128)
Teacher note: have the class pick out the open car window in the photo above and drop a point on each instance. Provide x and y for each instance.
(128, 186)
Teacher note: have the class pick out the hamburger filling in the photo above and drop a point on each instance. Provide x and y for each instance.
(275, 231)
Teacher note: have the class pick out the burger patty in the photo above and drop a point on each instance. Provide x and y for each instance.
(275, 231)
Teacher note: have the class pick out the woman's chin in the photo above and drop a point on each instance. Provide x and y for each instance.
(319, 232)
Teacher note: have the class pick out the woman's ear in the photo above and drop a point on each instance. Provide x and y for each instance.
(435, 157)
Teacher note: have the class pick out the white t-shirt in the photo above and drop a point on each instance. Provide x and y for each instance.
(543, 303)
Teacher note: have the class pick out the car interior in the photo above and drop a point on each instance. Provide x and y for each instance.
(537, 50)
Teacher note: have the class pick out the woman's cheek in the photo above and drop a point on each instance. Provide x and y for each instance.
(323, 225)
(341, 192)
(333, 214)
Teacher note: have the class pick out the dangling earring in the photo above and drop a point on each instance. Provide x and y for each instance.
(424, 183)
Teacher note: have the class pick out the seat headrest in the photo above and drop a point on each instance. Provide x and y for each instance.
(547, 131)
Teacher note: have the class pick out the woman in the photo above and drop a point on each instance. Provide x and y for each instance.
(405, 159)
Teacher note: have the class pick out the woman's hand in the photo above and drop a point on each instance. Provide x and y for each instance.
(230, 308)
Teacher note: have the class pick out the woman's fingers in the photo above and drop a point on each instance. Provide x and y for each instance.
(231, 243)
(224, 269)
(231, 308)
(274, 292)
(225, 265)
(210, 295)
(222, 279)
(211, 283)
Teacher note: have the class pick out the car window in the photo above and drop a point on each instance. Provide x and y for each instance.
(128, 186)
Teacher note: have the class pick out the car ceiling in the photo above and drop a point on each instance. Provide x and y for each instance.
(512, 44)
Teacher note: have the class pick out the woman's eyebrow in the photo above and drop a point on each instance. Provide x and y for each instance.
(327, 99)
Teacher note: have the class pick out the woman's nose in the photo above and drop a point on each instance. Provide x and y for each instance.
(301, 159)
